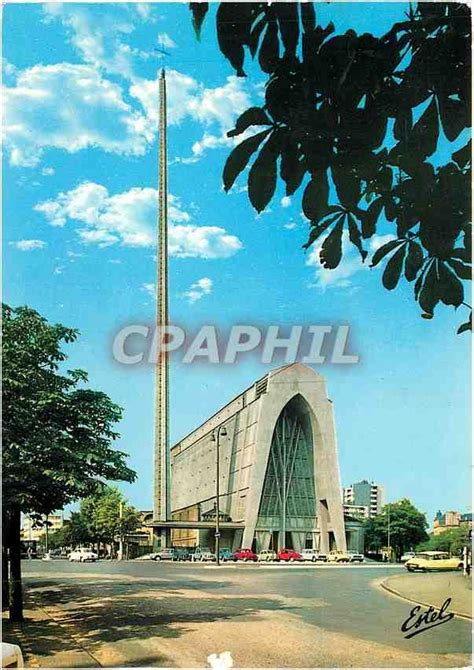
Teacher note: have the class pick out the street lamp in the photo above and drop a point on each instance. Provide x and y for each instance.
(215, 437)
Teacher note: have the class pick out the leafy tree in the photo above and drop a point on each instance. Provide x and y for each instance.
(407, 527)
(106, 515)
(57, 435)
(372, 116)
(452, 540)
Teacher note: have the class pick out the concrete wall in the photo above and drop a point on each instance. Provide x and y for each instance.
(250, 421)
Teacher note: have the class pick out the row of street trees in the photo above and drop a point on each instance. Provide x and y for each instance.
(57, 434)
(102, 519)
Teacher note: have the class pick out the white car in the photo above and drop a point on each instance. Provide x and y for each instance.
(82, 555)
(356, 558)
(310, 555)
(406, 557)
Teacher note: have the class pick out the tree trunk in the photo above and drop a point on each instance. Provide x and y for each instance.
(5, 567)
(16, 595)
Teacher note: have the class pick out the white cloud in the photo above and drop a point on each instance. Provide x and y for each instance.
(379, 240)
(97, 35)
(350, 265)
(69, 107)
(28, 245)
(198, 289)
(290, 226)
(47, 171)
(129, 219)
(165, 41)
(209, 107)
(149, 289)
(285, 201)
(202, 242)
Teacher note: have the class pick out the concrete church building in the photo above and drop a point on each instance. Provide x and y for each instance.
(279, 483)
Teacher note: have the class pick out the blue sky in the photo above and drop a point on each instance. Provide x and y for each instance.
(79, 180)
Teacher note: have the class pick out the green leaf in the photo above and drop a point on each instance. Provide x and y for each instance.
(240, 156)
(453, 116)
(451, 290)
(462, 271)
(254, 116)
(424, 136)
(308, 16)
(331, 250)
(199, 11)
(315, 197)
(463, 156)
(263, 173)
(355, 237)
(319, 228)
(403, 124)
(383, 251)
(414, 260)
(269, 53)
(464, 327)
(292, 167)
(347, 182)
(287, 13)
(370, 218)
(393, 269)
(429, 294)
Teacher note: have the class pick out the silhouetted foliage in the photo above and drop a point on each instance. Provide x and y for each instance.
(57, 435)
(366, 114)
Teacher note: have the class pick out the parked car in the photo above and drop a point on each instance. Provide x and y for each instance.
(338, 557)
(225, 554)
(356, 558)
(323, 558)
(245, 555)
(82, 555)
(163, 554)
(289, 555)
(267, 555)
(310, 555)
(145, 557)
(406, 556)
(203, 554)
(181, 554)
(430, 561)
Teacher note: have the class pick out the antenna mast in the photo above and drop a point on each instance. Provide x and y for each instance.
(161, 511)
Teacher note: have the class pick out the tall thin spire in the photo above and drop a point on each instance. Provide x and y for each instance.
(161, 503)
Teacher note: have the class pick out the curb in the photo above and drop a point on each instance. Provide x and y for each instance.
(394, 592)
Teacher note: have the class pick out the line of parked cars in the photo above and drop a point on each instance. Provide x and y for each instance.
(204, 554)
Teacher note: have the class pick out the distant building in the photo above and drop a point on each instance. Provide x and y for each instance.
(32, 532)
(448, 520)
(356, 511)
(364, 494)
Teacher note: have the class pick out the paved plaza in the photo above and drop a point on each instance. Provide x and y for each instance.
(175, 615)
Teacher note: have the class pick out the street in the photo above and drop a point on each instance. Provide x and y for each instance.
(177, 614)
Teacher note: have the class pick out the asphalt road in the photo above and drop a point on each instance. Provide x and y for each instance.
(176, 614)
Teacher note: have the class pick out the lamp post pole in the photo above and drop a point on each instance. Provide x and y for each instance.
(388, 536)
(216, 435)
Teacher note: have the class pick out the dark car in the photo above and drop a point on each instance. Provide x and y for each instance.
(181, 555)
(225, 555)
(244, 555)
(288, 555)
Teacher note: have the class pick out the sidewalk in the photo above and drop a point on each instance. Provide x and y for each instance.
(53, 647)
(433, 589)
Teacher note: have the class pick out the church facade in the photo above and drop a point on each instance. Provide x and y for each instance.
(279, 481)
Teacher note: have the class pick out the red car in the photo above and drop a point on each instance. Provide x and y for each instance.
(244, 555)
(288, 555)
